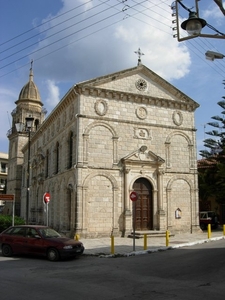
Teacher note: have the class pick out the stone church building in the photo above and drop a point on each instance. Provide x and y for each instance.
(109, 136)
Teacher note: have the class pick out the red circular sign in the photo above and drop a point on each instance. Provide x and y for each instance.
(46, 197)
(133, 196)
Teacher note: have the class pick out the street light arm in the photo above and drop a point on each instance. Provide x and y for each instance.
(193, 24)
(220, 4)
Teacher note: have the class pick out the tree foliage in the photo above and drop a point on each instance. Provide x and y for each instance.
(212, 172)
(6, 221)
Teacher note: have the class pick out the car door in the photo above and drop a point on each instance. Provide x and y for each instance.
(34, 242)
(17, 240)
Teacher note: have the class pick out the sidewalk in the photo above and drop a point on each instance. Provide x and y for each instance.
(124, 246)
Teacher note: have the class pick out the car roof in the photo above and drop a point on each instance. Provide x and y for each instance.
(31, 226)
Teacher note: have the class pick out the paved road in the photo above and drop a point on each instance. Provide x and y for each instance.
(192, 273)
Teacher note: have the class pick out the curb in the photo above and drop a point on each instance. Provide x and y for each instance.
(149, 251)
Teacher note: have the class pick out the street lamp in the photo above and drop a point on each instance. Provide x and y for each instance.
(211, 55)
(29, 123)
(193, 25)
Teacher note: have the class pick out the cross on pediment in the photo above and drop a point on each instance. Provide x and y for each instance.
(140, 54)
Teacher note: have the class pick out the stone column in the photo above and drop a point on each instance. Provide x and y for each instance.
(80, 222)
(127, 210)
(161, 212)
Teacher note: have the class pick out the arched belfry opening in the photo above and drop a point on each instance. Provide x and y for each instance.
(143, 205)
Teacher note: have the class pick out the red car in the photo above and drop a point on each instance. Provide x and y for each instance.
(38, 240)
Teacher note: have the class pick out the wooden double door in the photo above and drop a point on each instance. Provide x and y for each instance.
(143, 207)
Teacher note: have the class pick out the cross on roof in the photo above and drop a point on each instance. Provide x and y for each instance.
(139, 53)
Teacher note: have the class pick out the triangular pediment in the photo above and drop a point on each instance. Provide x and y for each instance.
(143, 155)
(141, 82)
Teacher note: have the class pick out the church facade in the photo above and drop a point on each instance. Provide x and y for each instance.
(123, 132)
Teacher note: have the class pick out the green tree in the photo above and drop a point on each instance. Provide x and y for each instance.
(212, 173)
(6, 221)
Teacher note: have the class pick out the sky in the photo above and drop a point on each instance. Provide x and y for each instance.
(72, 41)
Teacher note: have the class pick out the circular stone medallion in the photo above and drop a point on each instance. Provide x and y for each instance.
(177, 118)
(141, 84)
(101, 107)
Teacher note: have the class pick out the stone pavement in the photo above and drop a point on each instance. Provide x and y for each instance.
(125, 246)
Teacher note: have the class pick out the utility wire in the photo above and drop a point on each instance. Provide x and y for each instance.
(66, 35)
(41, 32)
(68, 27)
(131, 16)
(31, 29)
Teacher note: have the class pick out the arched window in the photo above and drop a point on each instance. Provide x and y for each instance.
(57, 158)
(47, 164)
(70, 161)
(36, 124)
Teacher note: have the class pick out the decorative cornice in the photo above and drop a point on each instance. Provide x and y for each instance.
(183, 103)
(136, 123)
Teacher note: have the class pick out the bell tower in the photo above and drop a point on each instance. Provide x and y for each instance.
(28, 110)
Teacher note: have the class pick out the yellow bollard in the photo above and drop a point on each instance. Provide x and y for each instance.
(167, 238)
(209, 231)
(223, 229)
(112, 245)
(76, 237)
(145, 241)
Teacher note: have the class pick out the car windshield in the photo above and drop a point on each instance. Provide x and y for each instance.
(49, 233)
(211, 214)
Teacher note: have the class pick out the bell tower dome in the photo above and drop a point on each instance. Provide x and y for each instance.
(29, 104)
(30, 90)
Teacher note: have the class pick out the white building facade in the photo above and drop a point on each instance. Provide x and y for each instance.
(123, 132)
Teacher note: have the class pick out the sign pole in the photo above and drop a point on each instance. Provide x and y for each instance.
(9, 198)
(133, 198)
(46, 199)
(47, 212)
(13, 212)
(134, 207)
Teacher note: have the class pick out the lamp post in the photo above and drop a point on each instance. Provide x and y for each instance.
(29, 123)
(24, 128)
(193, 25)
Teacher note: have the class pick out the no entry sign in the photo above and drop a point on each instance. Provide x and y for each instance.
(133, 196)
(46, 198)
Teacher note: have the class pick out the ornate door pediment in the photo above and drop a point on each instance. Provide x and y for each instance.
(143, 156)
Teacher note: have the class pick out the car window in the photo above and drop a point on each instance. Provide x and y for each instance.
(9, 231)
(49, 233)
(31, 232)
(18, 231)
(211, 214)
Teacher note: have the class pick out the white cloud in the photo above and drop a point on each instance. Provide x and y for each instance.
(53, 95)
(90, 48)
(213, 12)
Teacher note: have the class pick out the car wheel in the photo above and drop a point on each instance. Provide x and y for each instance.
(53, 254)
(6, 250)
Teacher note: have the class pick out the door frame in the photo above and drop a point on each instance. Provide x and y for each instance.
(149, 203)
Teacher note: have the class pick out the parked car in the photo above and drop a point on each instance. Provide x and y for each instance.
(38, 240)
(208, 217)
